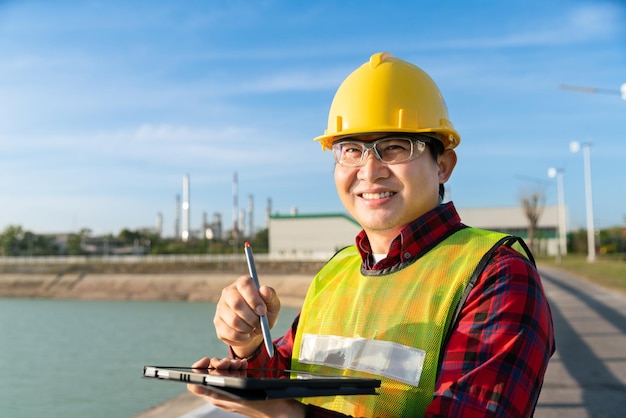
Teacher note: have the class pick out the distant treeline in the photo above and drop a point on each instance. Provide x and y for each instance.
(18, 242)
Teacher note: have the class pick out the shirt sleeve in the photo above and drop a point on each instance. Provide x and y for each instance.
(498, 352)
(283, 347)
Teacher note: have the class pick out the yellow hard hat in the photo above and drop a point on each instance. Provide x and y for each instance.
(388, 95)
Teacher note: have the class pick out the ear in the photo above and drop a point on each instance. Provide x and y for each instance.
(446, 163)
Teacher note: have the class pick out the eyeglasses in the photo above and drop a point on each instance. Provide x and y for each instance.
(390, 150)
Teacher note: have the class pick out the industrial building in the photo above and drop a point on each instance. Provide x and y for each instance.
(315, 236)
(550, 234)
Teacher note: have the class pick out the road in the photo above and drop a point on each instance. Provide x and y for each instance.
(587, 376)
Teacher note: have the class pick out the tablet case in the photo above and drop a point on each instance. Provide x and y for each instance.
(264, 384)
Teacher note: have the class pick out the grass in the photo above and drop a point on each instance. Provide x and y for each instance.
(608, 272)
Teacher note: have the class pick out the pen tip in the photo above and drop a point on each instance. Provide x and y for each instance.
(247, 244)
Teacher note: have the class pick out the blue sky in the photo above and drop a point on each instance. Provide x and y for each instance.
(106, 105)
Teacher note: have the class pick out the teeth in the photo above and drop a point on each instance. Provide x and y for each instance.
(372, 196)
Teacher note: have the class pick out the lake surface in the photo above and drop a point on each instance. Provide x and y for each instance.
(73, 358)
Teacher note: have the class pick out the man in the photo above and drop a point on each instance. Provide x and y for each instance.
(453, 320)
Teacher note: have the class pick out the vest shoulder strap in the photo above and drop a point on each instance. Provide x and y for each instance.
(507, 241)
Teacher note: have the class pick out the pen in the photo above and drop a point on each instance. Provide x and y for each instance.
(265, 326)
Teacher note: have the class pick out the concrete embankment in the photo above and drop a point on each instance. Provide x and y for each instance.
(184, 286)
(198, 282)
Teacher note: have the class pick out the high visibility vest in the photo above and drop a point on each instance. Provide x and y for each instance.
(389, 324)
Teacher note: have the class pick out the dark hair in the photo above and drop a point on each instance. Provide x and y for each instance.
(435, 146)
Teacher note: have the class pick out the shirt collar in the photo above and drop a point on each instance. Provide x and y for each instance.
(415, 239)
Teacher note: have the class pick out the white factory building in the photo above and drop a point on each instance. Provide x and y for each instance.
(319, 236)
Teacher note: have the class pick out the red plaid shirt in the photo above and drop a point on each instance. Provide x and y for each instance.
(498, 352)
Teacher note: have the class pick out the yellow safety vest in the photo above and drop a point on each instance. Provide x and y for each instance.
(388, 324)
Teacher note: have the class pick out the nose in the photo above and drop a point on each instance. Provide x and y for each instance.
(373, 168)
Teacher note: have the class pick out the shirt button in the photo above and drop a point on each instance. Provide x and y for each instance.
(407, 255)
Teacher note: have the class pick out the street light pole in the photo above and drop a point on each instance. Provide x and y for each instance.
(560, 212)
(591, 246)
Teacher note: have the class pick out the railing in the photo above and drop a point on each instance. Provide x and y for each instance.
(162, 258)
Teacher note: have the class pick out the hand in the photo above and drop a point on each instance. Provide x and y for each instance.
(224, 366)
(237, 314)
(261, 409)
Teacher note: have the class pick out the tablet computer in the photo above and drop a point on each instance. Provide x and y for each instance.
(264, 384)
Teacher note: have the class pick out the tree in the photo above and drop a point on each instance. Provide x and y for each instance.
(15, 241)
(75, 241)
(532, 204)
(10, 240)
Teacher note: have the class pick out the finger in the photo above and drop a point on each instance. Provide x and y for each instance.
(243, 364)
(272, 302)
(232, 330)
(228, 363)
(196, 389)
(244, 300)
(203, 363)
(230, 314)
(251, 295)
(209, 395)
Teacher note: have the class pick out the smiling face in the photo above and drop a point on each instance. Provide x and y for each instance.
(385, 198)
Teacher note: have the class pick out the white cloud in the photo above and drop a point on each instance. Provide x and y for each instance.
(294, 81)
(591, 22)
(597, 20)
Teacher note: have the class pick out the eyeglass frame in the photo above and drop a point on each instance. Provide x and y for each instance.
(424, 140)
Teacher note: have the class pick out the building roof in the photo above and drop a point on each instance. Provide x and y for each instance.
(315, 215)
(505, 217)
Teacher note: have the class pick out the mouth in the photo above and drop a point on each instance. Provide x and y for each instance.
(376, 196)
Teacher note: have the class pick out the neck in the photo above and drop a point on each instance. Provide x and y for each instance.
(380, 240)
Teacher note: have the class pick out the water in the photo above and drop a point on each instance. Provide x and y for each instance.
(70, 358)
